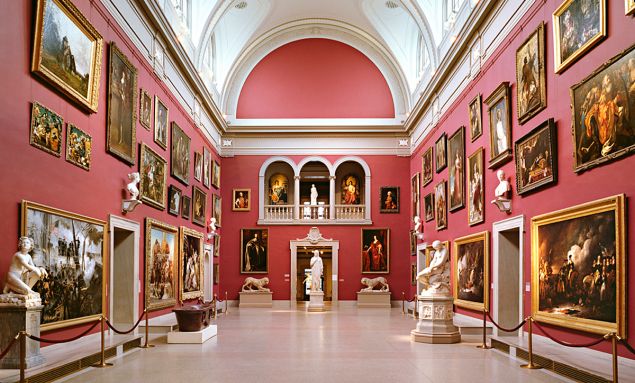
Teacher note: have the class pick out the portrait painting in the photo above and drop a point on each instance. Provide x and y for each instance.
(471, 271)
(217, 245)
(531, 83)
(630, 6)
(186, 207)
(413, 242)
(242, 199)
(440, 206)
(500, 131)
(78, 147)
(350, 190)
(456, 176)
(278, 189)
(215, 174)
(414, 187)
(153, 171)
(174, 200)
(71, 248)
(476, 119)
(603, 107)
(440, 147)
(207, 167)
(426, 166)
(578, 267)
(160, 123)
(475, 190)
(428, 207)
(121, 127)
(145, 109)
(216, 275)
(413, 274)
(199, 206)
(46, 129)
(578, 25)
(161, 264)
(375, 251)
(180, 155)
(254, 251)
(67, 52)
(198, 166)
(217, 208)
(389, 197)
(191, 263)
(537, 158)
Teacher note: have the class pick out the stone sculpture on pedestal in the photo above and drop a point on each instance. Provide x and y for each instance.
(371, 283)
(252, 284)
(316, 302)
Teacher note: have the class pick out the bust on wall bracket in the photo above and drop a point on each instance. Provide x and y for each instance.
(128, 205)
(503, 193)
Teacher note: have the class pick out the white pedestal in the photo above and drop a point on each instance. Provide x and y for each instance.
(255, 299)
(373, 299)
(316, 303)
(435, 320)
(193, 337)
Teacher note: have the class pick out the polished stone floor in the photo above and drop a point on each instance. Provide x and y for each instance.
(344, 345)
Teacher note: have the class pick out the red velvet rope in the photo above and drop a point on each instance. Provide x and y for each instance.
(506, 329)
(38, 339)
(125, 332)
(567, 344)
(628, 346)
(6, 350)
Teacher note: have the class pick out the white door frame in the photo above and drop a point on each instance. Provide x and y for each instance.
(421, 262)
(126, 224)
(517, 222)
(208, 270)
(313, 239)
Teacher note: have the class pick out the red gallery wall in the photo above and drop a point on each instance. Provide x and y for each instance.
(31, 174)
(571, 189)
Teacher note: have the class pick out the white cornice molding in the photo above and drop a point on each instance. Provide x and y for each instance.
(315, 125)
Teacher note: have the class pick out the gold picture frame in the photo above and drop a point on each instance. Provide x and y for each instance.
(160, 237)
(597, 227)
(78, 146)
(500, 125)
(180, 154)
(456, 170)
(375, 255)
(152, 190)
(145, 109)
(216, 174)
(190, 263)
(476, 187)
(629, 6)
(426, 166)
(254, 251)
(217, 208)
(415, 186)
(161, 122)
(241, 199)
(440, 205)
(464, 248)
(475, 115)
(63, 69)
(46, 129)
(531, 82)
(199, 206)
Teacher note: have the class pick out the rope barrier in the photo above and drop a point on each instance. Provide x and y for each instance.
(626, 345)
(54, 341)
(567, 344)
(521, 324)
(6, 350)
(125, 332)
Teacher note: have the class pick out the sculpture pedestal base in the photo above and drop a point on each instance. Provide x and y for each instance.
(373, 299)
(435, 320)
(255, 299)
(14, 319)
(316, 303)
(192, 337)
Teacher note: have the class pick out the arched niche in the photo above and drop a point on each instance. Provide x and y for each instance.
(277, 194)
(346, 169)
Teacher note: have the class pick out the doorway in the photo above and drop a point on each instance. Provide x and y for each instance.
(508, 272)
(124, 272)
(303, 273)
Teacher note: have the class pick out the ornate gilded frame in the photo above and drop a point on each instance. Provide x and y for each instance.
(444, 225)
(216, 174)
(538, 34)
(242, 249)
(146, 150)
(178, 132)
(457, 137)
(33, 142)
(196, 191)
(183, 232)
(235, 193)
(157, 102)
(217, 208)
(480, 152)
(479, 110)
(69, 128)
(427, 177)
(442, 142)
(425, 211)
(472, 238)
(387, 250)
(142, 96)
(550, 127)
(382, 208)
(161, 303)
(415, 187)
(502, 92)
(629, 6)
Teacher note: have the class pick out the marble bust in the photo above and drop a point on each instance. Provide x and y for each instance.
(132, 186)
(417, 222)
(22, 276)
(317, 268)
(436, 277)
(503, 189)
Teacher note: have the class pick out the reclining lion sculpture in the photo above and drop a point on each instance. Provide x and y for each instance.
(252, 284)
(371, 283)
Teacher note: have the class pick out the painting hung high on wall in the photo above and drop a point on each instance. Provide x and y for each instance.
(389, 197)
(441, 206)
(217, 245)
(476, 119)
(500, 131)
(278, 189)
(186, 207)
(254, 251)
(476, 193)
(161, 264)
(174, 200)
(199, 205)
(153, 171)
(350, 190)
(537, 158)
(121, 127)
(180, 155)
(375, 251)
(160, 123)
(413, 242)
(426, 166)
(471, 271)
(603, 107)
(191, 263)
(198, 166)
(242, 199)
(440, 157)
(428, 207)
(578, 25)
(207, 167)
(78, 147)
(67, 51)
(414, 186)
(70, 247)
(215, 174)
(578, 259)
(217, 208)
(145, 109)
(630, 6)
(531, 90)
(46, 129)
(456, 155)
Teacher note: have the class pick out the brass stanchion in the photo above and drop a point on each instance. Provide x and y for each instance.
(484, 345)
(214, 307)
(614, 339)
(22, 335)
(530, 365)
(146, 343)
(403, 303)
(102, 363)
(226, 307)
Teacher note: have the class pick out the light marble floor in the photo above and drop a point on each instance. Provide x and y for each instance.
(343, 345)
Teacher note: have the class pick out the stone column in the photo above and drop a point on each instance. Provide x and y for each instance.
(332, 197)
(296, 197)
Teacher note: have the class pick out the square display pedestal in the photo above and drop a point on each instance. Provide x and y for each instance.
(373, 299)
(436, 320)
(316, 303)
(13, 319)
(255, 299)
(192, 337)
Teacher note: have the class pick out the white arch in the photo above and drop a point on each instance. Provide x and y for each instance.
(270, 160)
(356, 159)
(321, 159)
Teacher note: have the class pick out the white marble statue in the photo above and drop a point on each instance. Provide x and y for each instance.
(22, 276)
(252, 284)
(503, 189)
(317, 267)
(212, 225)
(371, 283)
(436, 277)
(417, 222)
(132, 186)
(314, 195)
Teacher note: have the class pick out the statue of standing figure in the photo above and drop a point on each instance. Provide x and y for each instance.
(317, 267)
(436, 277)
(314, 195)
(22, 275)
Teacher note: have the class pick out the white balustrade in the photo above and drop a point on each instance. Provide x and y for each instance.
(279, 212)
(350, 212)
(315, 212)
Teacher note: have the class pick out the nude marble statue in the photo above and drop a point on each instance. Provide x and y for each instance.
(436, 277)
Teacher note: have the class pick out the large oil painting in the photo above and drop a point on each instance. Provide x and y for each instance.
(603, 106)
(578, 25)
(78, 147)
(121, 125)
(441, 205)
(389, 197)
(440, 148)
(254, 251)
(153, 171)
(475, 190)
(191, 263)
(161, 114)
(426, 166)
(278, 189)
(46, 129)
(350, 190)
(531, 90)
(70, 247)
(500, 131)
(456, 155)
(537, 158)
(67, 51)
(471, 271)
(161, 264)
(476, 119)
(180, 155)
(578, 258)
(199, 205)
(376, 251)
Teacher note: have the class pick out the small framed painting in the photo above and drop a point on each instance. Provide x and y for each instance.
(456, 151)
(216, 276)
(500, 131)
(413, 242)
(186, 207)
(180, 155)
(440, 152)
(531, 89)
(217, 245)
(389, 197)
(207, 167)
(476, 119)
(160, 123)
(78, 147)
(414, 185)
(426, 166)
(145, 110)
(413, 274)
(242, 199)
(153, 170)
(375, 251)
(46, 129)
(216, 174)
(217, 208)
(537, 158)
(199, 206)
(174, 200)
(441, 206)
(198, 166)
(476, 193)
(428, 207)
